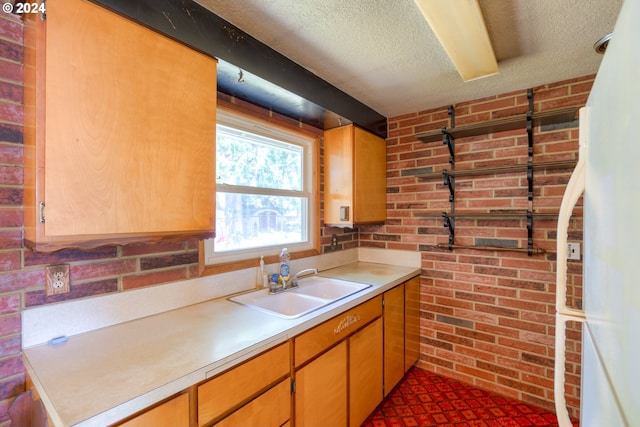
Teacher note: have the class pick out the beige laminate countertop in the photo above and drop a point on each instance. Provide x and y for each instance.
(99, 377)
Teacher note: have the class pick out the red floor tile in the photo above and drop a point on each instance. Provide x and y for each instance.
(424, 399)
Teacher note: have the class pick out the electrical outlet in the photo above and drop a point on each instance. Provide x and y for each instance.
(57, 279)
(573, 250)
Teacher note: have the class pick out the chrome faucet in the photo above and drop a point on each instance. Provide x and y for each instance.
(304, 272)
(293, 283)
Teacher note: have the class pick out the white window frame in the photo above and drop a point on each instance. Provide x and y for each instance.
(269, 130)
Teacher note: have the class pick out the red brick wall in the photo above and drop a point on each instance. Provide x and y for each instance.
(487, 316)
(11, 286)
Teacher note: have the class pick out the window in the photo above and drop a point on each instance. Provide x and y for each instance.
(264, 190)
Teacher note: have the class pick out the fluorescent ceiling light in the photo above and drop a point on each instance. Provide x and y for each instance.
(461, 30)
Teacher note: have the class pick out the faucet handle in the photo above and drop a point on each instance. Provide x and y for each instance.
(305, 272)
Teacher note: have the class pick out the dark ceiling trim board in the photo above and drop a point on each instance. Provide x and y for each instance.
(273, 81)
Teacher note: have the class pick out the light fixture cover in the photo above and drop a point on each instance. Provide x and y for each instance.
(461, 30)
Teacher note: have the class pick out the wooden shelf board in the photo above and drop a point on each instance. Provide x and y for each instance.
(518, 215)
(553, 165)
(562, 115)
(534, 250)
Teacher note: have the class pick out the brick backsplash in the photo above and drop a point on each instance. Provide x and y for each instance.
(486, 317)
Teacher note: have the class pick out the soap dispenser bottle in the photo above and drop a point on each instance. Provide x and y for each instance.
(263, 281)
(285, 271)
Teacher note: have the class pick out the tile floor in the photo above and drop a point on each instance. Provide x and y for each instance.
(424, 399)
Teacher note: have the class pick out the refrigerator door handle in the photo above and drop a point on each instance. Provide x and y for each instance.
(559, 368)
(574, 190)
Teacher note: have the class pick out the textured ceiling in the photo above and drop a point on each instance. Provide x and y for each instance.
(384, 54)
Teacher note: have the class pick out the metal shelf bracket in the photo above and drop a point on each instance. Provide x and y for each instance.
(450, 223)
(530, 173)
(449, 182)
(449, 141)
(452, 114)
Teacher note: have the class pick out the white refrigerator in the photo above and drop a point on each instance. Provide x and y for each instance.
(608, 177)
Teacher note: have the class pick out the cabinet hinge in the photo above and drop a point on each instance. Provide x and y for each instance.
(41, 212)
(293, 386)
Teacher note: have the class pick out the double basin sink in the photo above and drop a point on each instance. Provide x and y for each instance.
(312, 293)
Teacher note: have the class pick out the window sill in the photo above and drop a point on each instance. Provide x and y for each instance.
(208, 270)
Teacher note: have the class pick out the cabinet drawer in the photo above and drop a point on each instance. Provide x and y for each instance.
(173, 413)
(316, 340)
(270, 409)
(233, 388)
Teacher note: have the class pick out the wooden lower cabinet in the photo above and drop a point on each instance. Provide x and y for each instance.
(401, 331)
(244, 385)
(342, 382)
(365, 372)
(411, 322)
(172, 413)
(393, 337)
(321, 390)
(270, 409)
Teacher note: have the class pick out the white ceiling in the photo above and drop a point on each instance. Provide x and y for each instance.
(384, 54)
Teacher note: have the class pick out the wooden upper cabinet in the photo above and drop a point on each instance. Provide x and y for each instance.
(355, 177)
(119, 132)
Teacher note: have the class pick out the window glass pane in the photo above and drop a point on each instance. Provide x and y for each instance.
(251, 220)
(252, 160)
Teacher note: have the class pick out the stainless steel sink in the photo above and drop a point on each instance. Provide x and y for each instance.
(311, 294)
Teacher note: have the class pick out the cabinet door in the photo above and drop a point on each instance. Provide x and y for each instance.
(338, 176)
(119, 131)
(173, 413)
(321, 390)
(393, 337)
(370, 178)
(228, 390)
(365, 372)
(270, 409)
(412, 322)
(355, 177)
